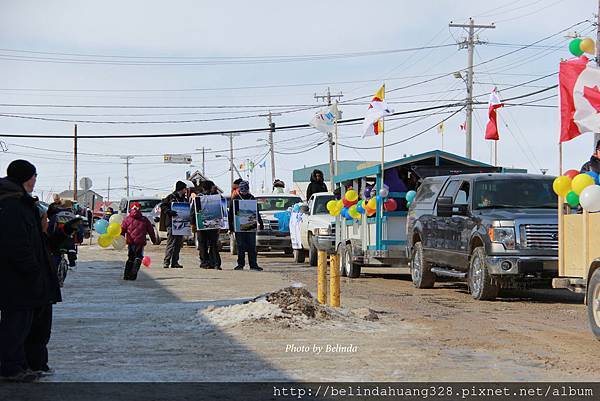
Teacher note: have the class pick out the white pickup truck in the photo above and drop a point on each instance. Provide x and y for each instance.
(317, 228)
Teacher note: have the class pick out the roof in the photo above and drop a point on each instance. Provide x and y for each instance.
(431, 158)
(503, 176)
(344, 166)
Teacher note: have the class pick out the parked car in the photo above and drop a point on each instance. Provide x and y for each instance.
(270, 238)
(492, 230)
(148, 205)
(317, 229)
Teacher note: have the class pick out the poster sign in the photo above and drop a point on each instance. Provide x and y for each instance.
(209, 212)
(245, 215)
(180, 224)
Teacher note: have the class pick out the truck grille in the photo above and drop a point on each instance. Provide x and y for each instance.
(274, 224)
(539, 236)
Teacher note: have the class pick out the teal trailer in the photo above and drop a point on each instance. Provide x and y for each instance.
(380, 241)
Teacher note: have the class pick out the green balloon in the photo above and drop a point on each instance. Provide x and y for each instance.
(574, 47)
(573, 199)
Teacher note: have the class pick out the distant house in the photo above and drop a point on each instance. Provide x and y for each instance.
(84, 198)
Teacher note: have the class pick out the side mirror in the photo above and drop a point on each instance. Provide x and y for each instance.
(304, 208)
(444, 206)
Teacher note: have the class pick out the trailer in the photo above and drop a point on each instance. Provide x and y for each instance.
(380, 241)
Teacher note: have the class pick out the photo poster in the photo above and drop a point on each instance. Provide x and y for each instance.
(209, 212)
(180, 224)
(245, 215)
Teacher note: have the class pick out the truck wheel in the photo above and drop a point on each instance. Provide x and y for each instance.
(313, 253)
(299, 255)
(352, 269)
(232, 245)
(593, 303)
(420, 270)
(480, 282)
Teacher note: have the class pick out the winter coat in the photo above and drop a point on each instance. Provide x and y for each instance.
(135, 227)
(315, 186)
(592, 165)
(166, 214)
(231, 206)
(28, 277)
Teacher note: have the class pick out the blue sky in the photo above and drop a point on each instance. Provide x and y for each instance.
(269, 28)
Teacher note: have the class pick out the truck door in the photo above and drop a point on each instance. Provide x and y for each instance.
(441, 231)
(461, 226)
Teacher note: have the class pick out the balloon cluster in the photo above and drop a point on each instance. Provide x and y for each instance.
(579, 189)
(410, 197)
(578, 46)
(351, 207)
(110, 232)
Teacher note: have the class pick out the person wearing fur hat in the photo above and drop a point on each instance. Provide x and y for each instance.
(28, 280)
(174, 242)
(134, 228)
(245, 241)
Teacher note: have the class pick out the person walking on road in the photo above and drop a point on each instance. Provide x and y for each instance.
(134, 228)
(245, 241)
(28, 279)
(208, 251)
(317, 184)
(594, 163)
(174, 242)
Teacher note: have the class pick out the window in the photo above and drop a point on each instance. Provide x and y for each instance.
(276, 203)
(462, 196)
(515, 193)
(321, 204)
(451, 189)
(428, 191)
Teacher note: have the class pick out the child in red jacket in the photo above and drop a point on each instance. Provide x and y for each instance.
(135, 227)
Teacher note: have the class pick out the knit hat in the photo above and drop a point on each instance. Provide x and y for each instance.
(136, 205)
(244, 187)
(20, 171)
(180, 185)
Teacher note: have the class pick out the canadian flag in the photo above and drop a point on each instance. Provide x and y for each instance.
(579, 98)
(491, 129)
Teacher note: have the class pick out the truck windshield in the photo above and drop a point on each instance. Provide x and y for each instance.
(276, 203)
(517, 193)
(321, 204)
(147, 204)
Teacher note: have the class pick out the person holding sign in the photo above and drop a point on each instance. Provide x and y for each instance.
(174, 242)
(207, 221)
(244, 220)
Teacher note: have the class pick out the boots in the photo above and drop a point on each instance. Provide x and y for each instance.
(128, 268)
(136, 268)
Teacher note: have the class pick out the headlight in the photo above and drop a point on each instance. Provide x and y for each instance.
(504, 235)
(322, 231)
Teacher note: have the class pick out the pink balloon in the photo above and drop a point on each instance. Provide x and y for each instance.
(390, 205)
(146, 261)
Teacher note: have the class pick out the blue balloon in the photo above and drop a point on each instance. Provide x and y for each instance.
(378, 199)
(100, 226)
(410, 196)
(594, 175)
(296, 208)
(360, 209)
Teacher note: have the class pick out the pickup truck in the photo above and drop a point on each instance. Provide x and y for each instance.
(317, 229)
(492, 230)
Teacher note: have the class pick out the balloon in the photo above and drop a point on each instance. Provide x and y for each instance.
(574, 47)
(113, 229)
(378, 198)
(146, 261)
(331, 205)
(390, 205)
(118, 243)
(562, 185)
(351, 196)
(590, 198)
(340, 204)
(384, 192)
(372, 212)
(100, 226)
(587, 45)
(594, 175)
(367, 191)
(571, 173)
(580, 182)
(372, 204)
(410, 196)
(116, 218)
(335, 212)
(105, 240)
(346, 203)
(344, 211)
(296, 208)
(360, 207)
(352, 210)
(572, 199)
(408, 204)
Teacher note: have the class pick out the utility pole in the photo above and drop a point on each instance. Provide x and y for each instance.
(330, 139)
(469, 43)
(127, 158)
(231, 166)
(75, 163)
(270, 141)
(108, 196)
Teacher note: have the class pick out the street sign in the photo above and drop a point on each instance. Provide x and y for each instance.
(85, 183)
(178, 159)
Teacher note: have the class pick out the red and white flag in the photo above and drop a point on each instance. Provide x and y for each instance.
(579, 98)
(491, 129)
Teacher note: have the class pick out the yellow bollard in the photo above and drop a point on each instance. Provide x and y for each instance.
(322, 277)
(334, 281)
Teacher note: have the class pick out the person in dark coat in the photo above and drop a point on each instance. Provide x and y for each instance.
(28, 280)
(208, 251)
(594, 163)
(134, 228)
(316, 184)
(174, 242)
(245, 241)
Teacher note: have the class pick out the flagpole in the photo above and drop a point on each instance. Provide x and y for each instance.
(496, 152)
(382, 142)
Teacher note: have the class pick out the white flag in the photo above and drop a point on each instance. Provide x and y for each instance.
(324, 120)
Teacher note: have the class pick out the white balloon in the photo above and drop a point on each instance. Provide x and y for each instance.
(384, 192)
(590, 198)
(119, 243)
(116, 218)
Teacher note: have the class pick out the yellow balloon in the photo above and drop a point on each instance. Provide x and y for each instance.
(351, 195)
(587, 45)
(331, 205)
(116, 218)
(105, 240)
(340, 205)
(113, 230)
(581, 182)
(372, 204)
(562, 185)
